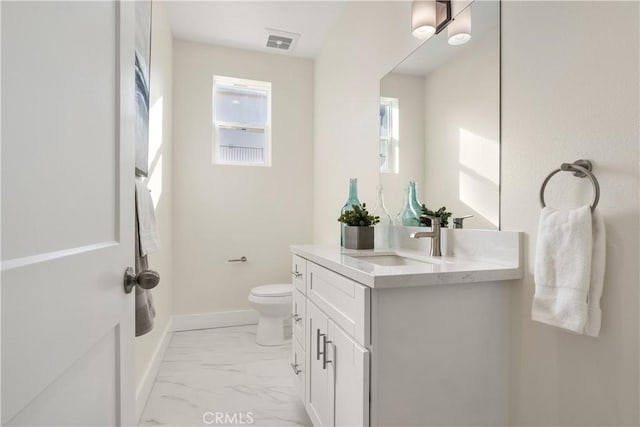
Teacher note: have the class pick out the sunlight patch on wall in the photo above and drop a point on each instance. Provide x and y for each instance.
(479, 186)
(480, 155)
(154, 181)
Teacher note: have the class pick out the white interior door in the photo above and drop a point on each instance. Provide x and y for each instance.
(67, 213)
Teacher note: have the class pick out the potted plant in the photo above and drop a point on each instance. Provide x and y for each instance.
(358, 227)
(440, 213)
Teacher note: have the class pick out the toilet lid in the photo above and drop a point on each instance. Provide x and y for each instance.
(272, 290)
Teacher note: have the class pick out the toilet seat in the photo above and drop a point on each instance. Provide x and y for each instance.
(267, 291)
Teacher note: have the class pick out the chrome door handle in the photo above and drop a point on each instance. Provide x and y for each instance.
(325, 362)
(147, 279)
(241, 259)
(318, 352)
(296, 274)
(294, 367)
(296, 318)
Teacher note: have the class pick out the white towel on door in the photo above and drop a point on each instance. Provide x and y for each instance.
(148, 227)
(563, 268)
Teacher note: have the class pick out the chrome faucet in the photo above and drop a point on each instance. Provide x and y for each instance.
(434, 234)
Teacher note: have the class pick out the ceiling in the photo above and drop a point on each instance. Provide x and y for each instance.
(242, 24)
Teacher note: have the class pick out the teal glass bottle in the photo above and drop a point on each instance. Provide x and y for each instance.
(352, 200)
(413, 201)
(408, 216)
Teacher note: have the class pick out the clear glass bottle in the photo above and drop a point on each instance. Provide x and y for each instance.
(352, 200)
(382, 230)
(413, 201)
(408, 216)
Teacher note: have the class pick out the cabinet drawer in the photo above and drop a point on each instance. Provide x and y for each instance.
(299, 274)
(298, 367)
(299, 321)
(345, 301)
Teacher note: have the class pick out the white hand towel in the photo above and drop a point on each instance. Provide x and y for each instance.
(563, 268)
(147, 226)
(598, 261)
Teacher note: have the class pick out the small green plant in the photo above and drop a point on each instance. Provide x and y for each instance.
(440, 213)
(358, 217)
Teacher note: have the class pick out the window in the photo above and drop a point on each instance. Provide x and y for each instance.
(389, 135)
(241, 122)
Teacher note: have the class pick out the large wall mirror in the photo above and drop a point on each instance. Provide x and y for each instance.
(440, 122)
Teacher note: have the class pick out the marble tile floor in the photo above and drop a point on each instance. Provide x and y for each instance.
(223, 372)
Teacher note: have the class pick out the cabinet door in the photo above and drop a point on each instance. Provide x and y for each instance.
(319, 395)
(350, 377)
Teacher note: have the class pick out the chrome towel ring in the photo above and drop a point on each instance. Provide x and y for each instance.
(580, 168)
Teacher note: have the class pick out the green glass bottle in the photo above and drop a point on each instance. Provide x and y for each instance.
(352, 200)
(413, 201)
(408, 216)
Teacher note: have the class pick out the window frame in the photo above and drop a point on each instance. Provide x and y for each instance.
(393, 140)
(217, 125)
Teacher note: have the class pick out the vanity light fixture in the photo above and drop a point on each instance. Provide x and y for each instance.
(429, 17)
(459, 31)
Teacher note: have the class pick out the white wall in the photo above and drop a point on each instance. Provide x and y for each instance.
(409, 90)
(462, 134)
(367, 42)
(223, 212)
(569, 91)
(159, 182)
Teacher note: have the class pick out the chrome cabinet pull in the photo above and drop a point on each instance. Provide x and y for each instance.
(296, 318)
(294, 367)
(318, 352)
(325, 362)
(241, 259)
(295, 273)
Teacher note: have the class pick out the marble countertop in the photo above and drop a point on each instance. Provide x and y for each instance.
(430, 271)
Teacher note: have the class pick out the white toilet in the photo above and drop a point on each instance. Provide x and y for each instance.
(273, 302)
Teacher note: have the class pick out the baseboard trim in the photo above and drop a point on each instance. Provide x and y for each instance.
(150, 374)
(190, 322)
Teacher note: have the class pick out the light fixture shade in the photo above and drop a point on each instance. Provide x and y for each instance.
(459, 30)
(423, 18)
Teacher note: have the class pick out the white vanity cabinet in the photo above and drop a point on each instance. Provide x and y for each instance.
(401, 350)
(337, 361)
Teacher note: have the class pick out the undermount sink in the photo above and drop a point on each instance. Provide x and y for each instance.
(389, 260)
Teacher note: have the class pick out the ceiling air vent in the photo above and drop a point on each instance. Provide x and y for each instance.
(282, 40)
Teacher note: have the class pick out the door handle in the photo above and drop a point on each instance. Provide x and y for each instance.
(296, 318)
(147, 279)
(294, 367)
(318, 352)
(325, 362)
(296, 274)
